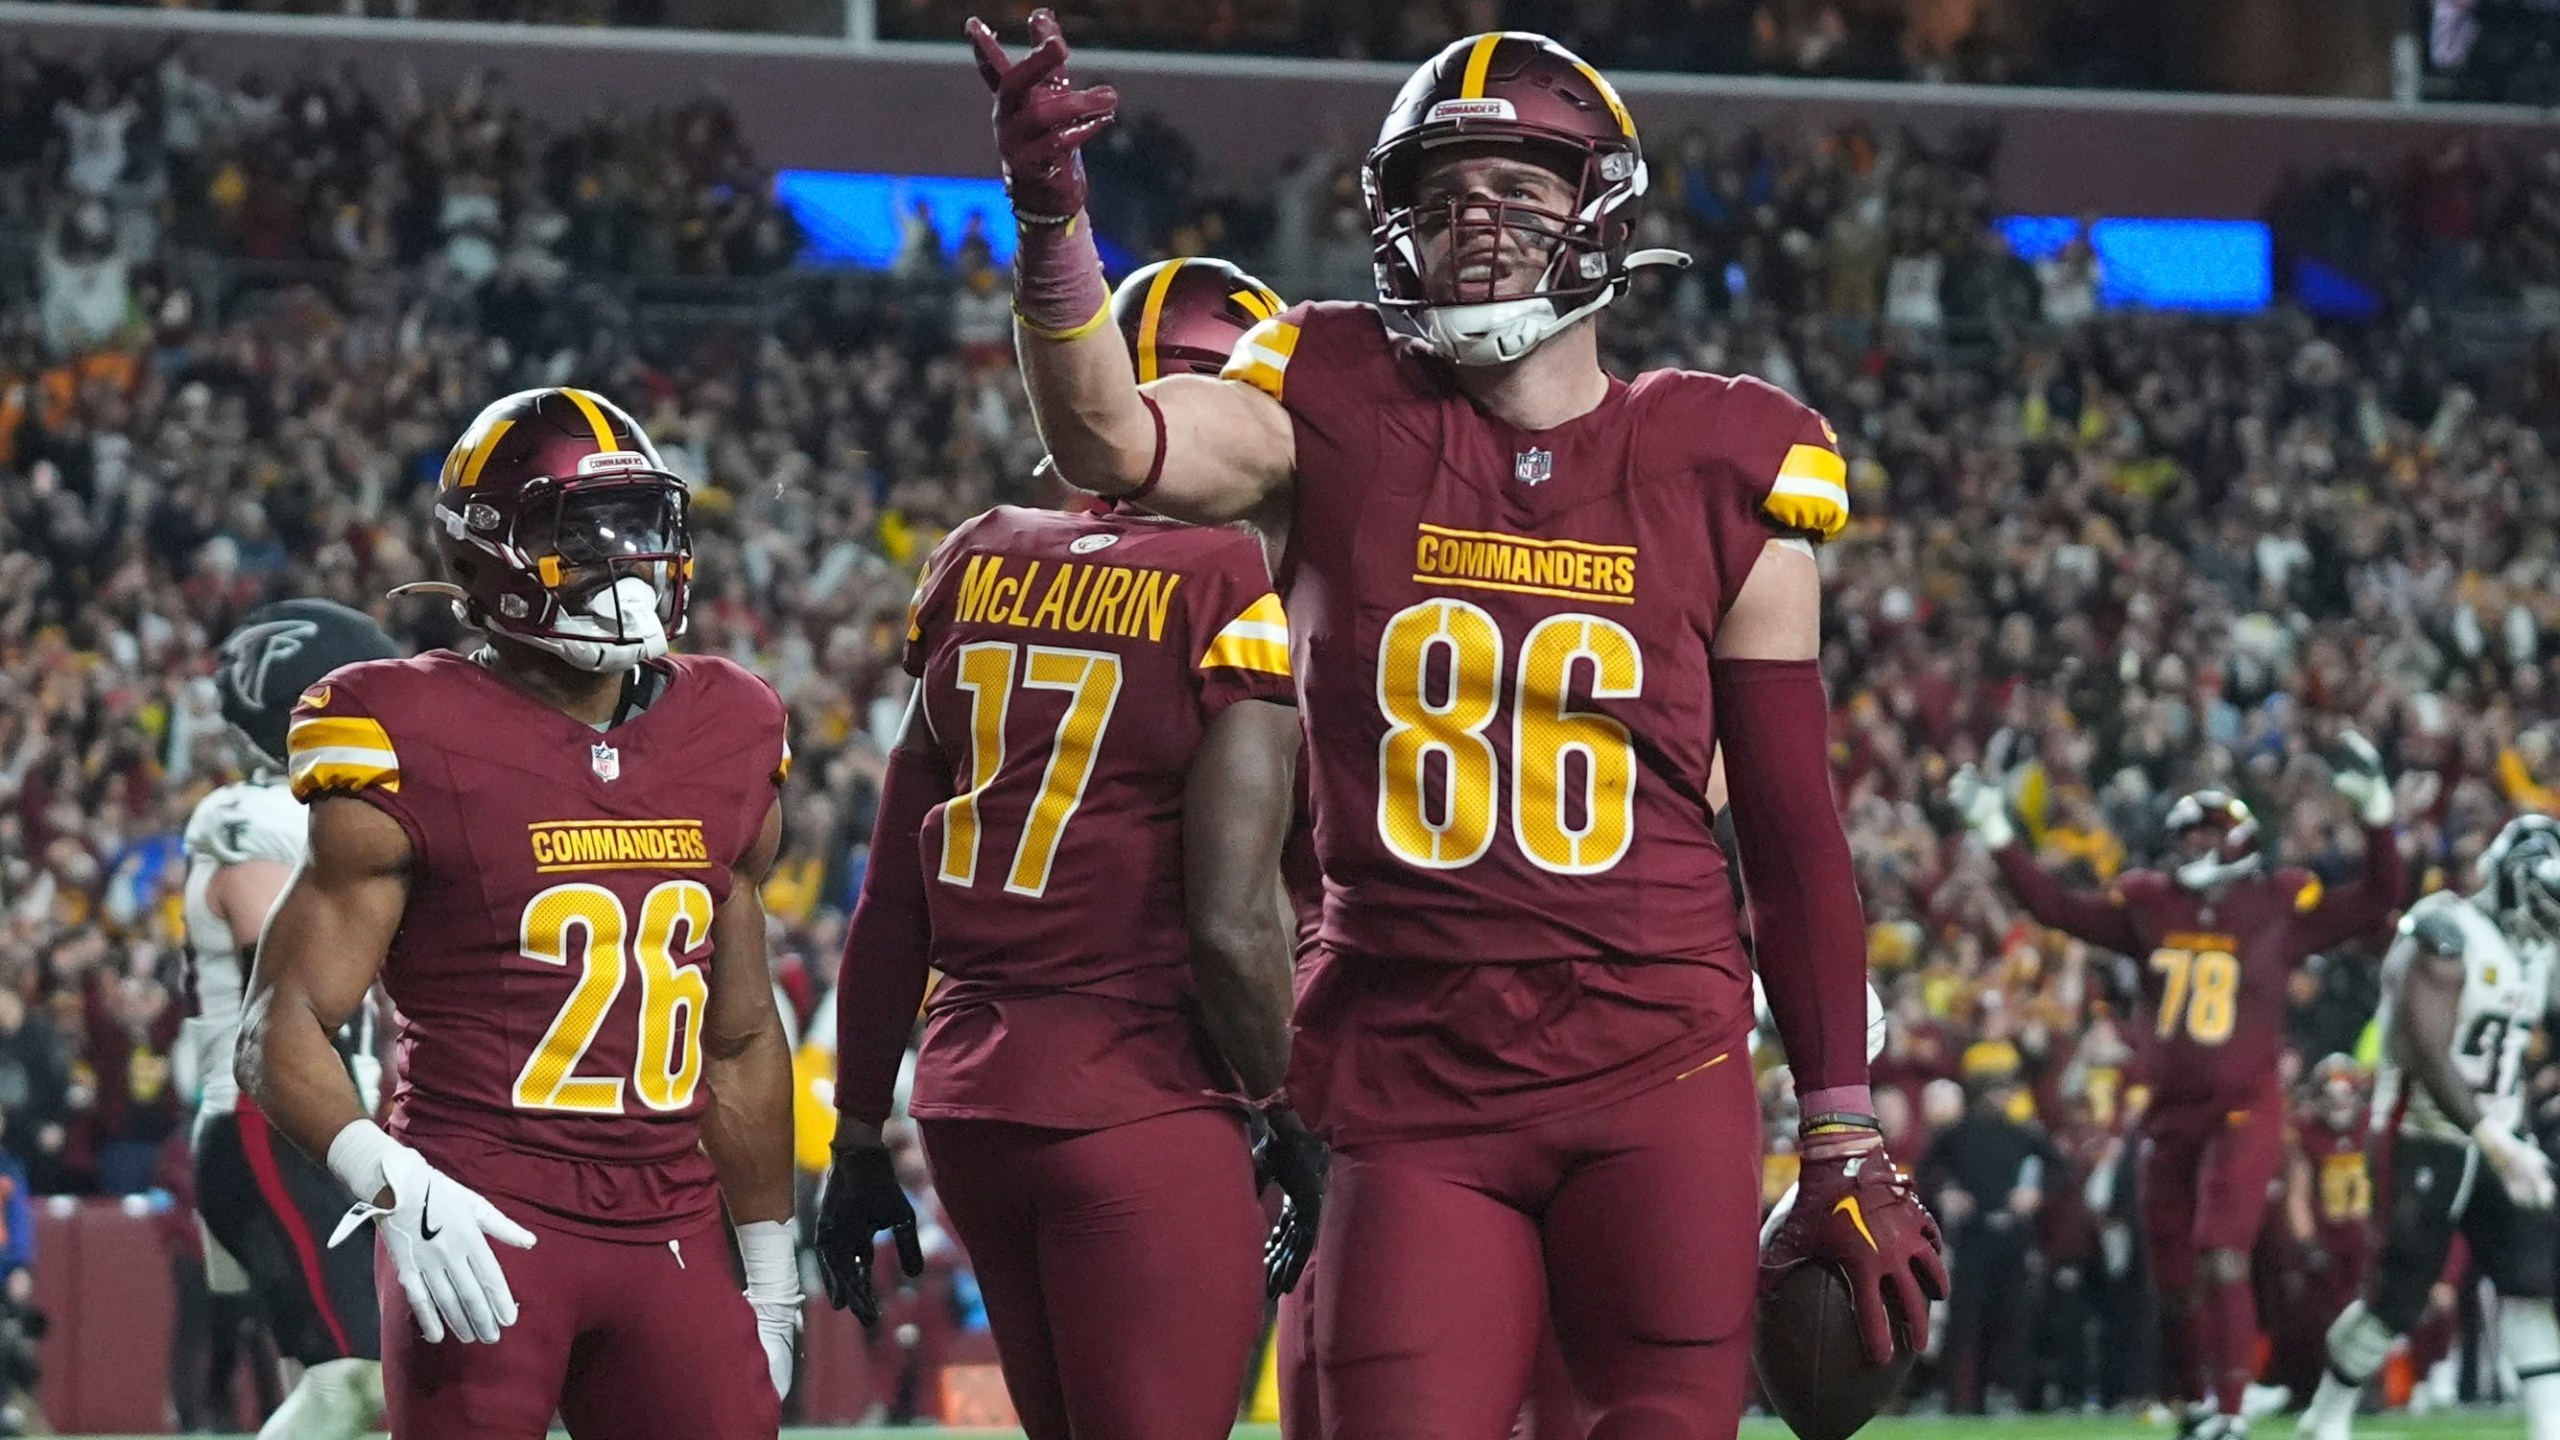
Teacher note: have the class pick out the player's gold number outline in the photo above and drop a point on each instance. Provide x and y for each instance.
(2346, 1188)
(665, 1073)
(987, 668)
(2200, 993)
(1545, 730)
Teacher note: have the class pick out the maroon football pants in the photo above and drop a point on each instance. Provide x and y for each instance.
(1122, 1268)
(2207, 1170)
(1635, 1225)
(1551, 1413)
(623, 1341)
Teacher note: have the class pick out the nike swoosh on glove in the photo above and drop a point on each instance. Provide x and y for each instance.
(1041, 120)
(861, 1198)
(1853, 1210)
(1289, 1155)
(437, 1232)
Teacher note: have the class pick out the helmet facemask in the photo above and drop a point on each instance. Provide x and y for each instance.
(592, 569)
(2211, 815)
(1474, 321)
(2524, 866)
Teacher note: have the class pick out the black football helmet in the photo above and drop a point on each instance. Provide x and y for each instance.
(280, 651)
(563, 529)
(2522, 867)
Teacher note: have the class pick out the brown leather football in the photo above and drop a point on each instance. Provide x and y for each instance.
(1812, 1366)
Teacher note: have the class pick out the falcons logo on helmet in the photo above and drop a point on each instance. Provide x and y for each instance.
(253, 652)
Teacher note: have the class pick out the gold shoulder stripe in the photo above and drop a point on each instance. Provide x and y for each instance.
(340, 752)
(588, 407)
(1258, 639)
(1261, 358)
(1811, 491)
(2307, 899)
(782, 771)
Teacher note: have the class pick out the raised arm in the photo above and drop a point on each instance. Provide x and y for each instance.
(2097, 917)
(2362, 906)
(1197, 449)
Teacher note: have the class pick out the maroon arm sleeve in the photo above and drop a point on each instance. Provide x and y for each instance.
(1808, 931)
(2098, 918)
(888, 947)
(2362, 907)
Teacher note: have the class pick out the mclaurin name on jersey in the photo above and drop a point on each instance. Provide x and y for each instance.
(1121, 600)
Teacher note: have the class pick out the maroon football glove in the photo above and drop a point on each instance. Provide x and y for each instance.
(1041, 120)
(1854, 1211)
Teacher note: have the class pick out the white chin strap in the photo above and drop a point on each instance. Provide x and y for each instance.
(2212, 870)
(1497, 332)
(600, 641)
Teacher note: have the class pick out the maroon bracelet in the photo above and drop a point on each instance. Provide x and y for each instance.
(1155, 467)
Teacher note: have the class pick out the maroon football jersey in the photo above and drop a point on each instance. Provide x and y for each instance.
(1071, 665)
(551, 971)
(2341, 1183)
(2214, 968)
(1502, 641)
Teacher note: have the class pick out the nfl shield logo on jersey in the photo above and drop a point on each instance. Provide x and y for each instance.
(1533, 466)
(605, 761)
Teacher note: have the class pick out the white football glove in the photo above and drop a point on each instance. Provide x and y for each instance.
(437, 1232)
(2362, 779)
(772, 1263)
(1984, 804)
(2521, 1165)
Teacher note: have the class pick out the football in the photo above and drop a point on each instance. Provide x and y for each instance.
(1812, 1367)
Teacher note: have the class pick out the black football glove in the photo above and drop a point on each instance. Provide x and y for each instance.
(861, 1198)
(1287, 1154)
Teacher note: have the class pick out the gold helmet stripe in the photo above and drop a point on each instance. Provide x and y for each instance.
(1479, 60)
(587, 406)
(478, 459)
(1259, 303)
(1151, 315)
(1609, 93)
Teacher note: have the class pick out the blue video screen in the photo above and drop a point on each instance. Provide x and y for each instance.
(854, 218)
(2153, 264)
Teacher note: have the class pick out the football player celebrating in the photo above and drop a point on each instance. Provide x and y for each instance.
(2463, 987)
(265, 1206)
(1081, 829)
(2218, 935)
(549, 851)
(2328, 1197)
(1528, 601)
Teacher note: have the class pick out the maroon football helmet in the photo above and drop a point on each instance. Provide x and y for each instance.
(1184, 317)
(563, 529)
(2215, 838)
(1507, 87)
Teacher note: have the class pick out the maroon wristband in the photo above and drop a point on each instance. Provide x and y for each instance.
(1155, 467)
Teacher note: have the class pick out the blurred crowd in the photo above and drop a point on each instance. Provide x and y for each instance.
(2153, 552)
